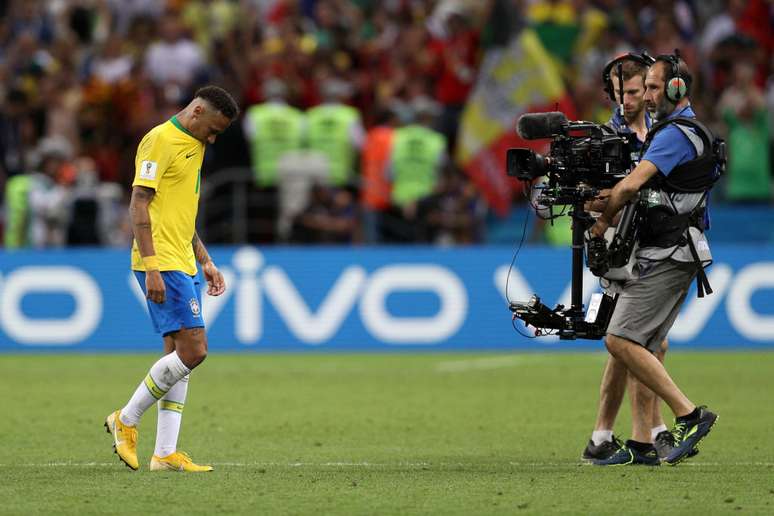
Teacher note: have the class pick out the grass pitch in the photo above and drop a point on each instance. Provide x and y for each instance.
(376, 434)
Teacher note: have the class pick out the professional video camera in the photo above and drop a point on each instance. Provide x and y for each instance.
(584, 159)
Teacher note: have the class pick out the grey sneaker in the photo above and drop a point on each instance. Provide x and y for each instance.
(665, 443)
(603, 451)
(629, 455)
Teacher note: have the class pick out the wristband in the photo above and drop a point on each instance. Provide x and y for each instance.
(151, 263)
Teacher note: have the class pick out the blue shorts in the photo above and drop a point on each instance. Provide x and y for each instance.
(183, 305)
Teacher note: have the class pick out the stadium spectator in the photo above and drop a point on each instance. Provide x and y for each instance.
(329, 218)
(455, 56)
(455, 213)
(298, 172)
(743, 109)
(665, 37)
(125, 13)
(375, 189)
(174, 60)
(87, 22)
(61, 98)
(112, 64)
(31, 17)
(97, 214)
(15, 121)
(210, 21)
(679, 14)
(49, 195)
(140, 35)
(720, 26)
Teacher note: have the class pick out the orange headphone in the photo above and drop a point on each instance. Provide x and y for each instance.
(676, 86)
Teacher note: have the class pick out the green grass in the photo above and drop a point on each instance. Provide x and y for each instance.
(376, 434)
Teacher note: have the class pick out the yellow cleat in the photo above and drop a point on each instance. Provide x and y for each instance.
(178, 461)
(124, 440)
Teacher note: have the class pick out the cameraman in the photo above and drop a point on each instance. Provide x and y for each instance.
(629, 117)
(673, 250)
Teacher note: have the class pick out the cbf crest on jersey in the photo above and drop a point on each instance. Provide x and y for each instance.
(194, 307)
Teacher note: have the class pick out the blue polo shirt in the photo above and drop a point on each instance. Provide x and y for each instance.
(671, 147)
(618, 124)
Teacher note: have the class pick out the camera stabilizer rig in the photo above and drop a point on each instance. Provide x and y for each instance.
(578, 167)
(570, 322)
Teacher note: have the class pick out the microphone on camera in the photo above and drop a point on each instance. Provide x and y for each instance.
(534, 126)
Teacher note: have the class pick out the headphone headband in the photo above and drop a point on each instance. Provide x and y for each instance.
(671, 59)
(643, 58)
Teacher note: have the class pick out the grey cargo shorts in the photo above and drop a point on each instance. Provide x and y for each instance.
(648, 306)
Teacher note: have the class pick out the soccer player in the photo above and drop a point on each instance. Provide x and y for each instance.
(166, 248)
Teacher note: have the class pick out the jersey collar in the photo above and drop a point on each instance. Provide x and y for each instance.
(177, 124)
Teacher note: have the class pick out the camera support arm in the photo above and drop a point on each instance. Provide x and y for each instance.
(581, 220)
(622, 192)
(571, 322)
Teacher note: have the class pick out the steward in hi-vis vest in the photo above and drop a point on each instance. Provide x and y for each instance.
(335, 130)
(417, 156)
(273, 129)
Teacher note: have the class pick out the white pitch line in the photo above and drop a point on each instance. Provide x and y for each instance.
(378, 465)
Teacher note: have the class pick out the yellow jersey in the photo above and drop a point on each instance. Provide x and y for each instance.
(169, 160)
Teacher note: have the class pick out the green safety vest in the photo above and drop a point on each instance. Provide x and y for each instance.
(328, 129)
(749, 176)
(560, 233)
(279, 129)
(416, 153)
(17, 189)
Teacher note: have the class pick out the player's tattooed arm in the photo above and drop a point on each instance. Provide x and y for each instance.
(141, 226)
(216, 285)
(202, 256)
(140, 216)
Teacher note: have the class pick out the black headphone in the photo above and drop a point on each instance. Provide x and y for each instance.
(644, 59)
(676, 86)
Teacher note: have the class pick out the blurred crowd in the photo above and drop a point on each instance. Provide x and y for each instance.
(350, 108)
